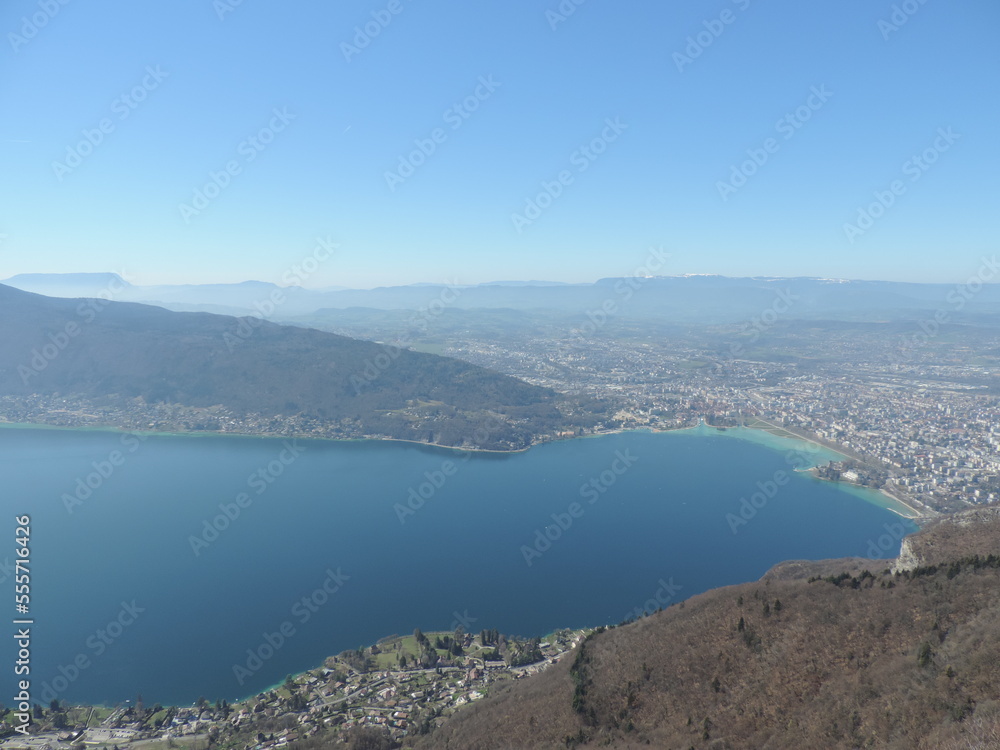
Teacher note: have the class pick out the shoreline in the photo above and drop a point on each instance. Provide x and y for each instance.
(788, 434)
(915, 513)
(295, 675)
(270, 436)
(920, 514)
(701, 426)
(263, 436)
(702, 429)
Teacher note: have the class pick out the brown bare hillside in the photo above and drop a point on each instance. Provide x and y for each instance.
(869, 659)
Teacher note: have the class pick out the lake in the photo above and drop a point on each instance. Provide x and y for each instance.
(188, 566)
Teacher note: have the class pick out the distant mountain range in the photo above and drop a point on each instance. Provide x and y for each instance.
(683, 299)
(94, 349)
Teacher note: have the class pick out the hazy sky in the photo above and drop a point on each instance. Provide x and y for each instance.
(413, 134)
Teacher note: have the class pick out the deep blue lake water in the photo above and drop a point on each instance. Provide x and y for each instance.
(129, 582)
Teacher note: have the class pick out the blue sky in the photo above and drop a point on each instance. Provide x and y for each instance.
(688, 113)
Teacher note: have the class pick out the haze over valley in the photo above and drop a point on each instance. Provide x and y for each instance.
(386, 375)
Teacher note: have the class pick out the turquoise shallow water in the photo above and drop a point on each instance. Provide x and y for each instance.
(130, 582)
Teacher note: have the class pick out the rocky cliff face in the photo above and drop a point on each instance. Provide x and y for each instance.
(907, 559)
(969, 532)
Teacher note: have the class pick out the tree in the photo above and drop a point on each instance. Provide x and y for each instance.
(369, 738)
(924, 655)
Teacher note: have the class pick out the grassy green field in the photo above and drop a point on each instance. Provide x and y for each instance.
(392, 649)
